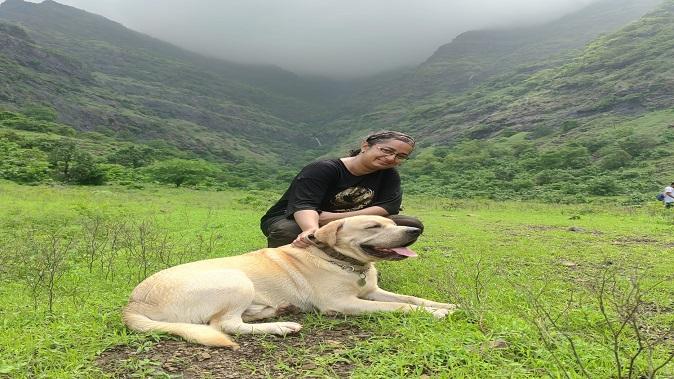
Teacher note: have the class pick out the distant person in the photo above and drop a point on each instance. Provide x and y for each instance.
(669, 196)
(364, 183)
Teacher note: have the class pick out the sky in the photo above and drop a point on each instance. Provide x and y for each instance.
(332, 38)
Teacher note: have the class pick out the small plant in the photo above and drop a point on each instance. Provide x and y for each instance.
(95, 234)
(613, 314)
(46, 255)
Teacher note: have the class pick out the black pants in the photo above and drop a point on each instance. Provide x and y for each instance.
(282, 231)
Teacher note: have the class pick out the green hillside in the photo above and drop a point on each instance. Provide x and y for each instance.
(600, 124)
(551, 122)
(622, 75)
(100, 76)
(477, 56)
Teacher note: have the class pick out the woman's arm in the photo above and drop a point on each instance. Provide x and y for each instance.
(326, 217)
(307, 219)
(310, 220)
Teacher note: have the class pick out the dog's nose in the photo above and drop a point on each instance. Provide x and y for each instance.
(413, 231)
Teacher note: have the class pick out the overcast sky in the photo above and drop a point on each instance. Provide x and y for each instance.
(337, 38)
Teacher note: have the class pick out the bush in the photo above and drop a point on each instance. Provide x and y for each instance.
(181, 171)
(603, 186)
(40, 112)
(615, 159)
(85, 171)
(22, 165)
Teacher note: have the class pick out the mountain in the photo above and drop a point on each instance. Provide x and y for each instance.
(568, 108)
(600, 123)
(477, 56)
(435, 107)
(100, 76)
(624, 74)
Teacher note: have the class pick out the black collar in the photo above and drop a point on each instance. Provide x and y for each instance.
(332, 253)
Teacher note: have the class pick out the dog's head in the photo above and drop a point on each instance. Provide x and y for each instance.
(368, 238)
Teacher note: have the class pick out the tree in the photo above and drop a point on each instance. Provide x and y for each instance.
(85, 170)
(72, 165)
(181, 171)
(60, 159)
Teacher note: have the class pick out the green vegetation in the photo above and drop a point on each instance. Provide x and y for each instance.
(595, 122)
(60, 63)
(598, 124)
(34, 150)
(546, 290)
(574, 282)
(623, 161)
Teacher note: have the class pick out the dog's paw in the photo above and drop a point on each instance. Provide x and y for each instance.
(438, 312)
(283, 328)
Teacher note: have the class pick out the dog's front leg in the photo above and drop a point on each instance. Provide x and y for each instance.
(356, 306)
(382, 295)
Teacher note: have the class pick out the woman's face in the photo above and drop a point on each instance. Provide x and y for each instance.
(386, 154)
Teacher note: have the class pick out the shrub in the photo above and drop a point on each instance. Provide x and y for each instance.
(85, 170)
(615, 159)
(603, 186)
(40, 112)
(181, 171)
(22, 165)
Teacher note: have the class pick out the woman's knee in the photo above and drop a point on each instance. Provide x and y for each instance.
(282, 233)
(407, 221)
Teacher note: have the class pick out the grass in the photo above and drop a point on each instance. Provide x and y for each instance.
(510, 265)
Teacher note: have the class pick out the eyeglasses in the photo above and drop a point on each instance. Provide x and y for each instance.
(392, 152)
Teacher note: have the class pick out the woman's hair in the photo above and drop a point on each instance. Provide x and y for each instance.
(382, 136)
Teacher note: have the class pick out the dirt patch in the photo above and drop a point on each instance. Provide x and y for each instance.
(265, 356)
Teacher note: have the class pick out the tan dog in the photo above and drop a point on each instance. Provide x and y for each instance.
(200, 300)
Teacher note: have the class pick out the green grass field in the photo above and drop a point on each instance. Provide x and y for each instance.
(546, 290)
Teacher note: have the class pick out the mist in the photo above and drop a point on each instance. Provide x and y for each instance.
(337, 39)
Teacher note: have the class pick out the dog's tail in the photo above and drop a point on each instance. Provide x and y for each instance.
(197, 333)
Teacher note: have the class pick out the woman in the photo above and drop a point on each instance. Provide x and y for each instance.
(364, 183)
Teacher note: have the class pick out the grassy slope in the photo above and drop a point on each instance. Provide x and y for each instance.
(475, 57)
(618, 88)
(623, 74)
(508, 244)
(101, 76)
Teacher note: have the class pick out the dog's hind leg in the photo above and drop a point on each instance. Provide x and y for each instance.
(237, 326)
(258, 312)
(239, 299)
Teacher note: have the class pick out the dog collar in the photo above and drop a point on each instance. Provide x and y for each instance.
(345, 262)
(336, 254)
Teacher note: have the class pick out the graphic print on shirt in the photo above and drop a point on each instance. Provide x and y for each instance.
(353, 199)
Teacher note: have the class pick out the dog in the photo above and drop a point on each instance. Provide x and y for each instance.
(205, 301)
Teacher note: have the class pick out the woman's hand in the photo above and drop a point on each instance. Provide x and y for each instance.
(302, 239)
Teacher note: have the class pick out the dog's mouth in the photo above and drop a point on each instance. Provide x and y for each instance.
(390, 253)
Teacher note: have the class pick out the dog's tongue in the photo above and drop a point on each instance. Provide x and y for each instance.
(404, 251)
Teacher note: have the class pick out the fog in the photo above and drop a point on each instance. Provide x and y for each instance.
(339, 39)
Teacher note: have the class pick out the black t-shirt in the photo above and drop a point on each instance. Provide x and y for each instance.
(327, 185)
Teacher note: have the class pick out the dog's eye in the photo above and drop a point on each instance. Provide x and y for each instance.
(373, 226)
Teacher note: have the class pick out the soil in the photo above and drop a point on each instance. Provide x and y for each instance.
(260, 356)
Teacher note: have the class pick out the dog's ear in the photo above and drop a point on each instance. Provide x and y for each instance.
(328, 233)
